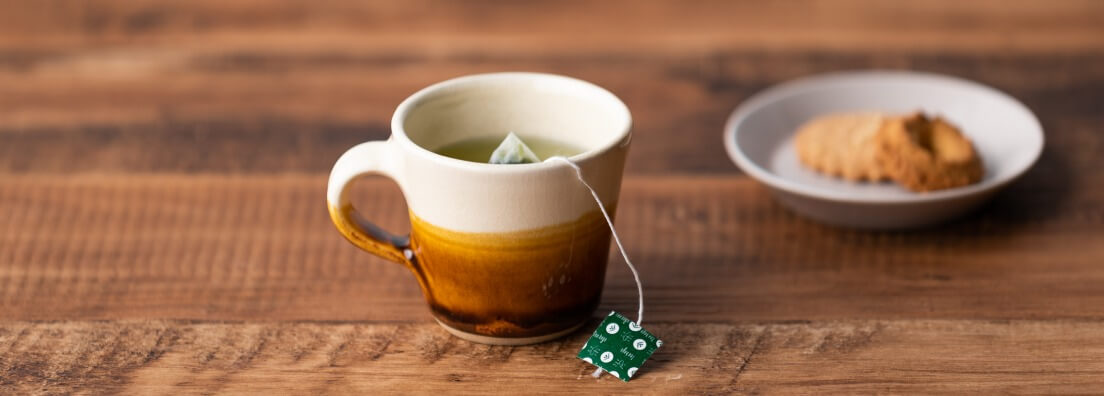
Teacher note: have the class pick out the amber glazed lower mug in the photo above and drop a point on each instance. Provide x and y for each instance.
(504, 254)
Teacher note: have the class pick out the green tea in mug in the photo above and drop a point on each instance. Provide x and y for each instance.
(480, 149)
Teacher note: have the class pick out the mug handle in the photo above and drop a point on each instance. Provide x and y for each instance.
(364, 159)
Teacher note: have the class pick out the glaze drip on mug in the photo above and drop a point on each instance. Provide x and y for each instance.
(512, 284)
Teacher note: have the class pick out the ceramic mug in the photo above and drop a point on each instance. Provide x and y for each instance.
(504, 254)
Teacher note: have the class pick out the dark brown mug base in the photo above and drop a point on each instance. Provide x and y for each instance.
(509, 341)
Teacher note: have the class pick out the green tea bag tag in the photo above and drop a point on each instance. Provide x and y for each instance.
(513, 151)
(619, 346)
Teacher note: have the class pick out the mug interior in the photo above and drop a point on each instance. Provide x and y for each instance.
(548, 106)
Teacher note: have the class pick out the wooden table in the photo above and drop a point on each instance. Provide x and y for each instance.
(163, 231)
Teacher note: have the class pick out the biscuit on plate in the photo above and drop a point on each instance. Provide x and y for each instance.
(925, 154)
(842, 145)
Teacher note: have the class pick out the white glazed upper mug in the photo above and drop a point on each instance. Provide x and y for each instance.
(504, 254)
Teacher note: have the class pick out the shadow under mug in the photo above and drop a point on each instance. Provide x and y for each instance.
(504, 254)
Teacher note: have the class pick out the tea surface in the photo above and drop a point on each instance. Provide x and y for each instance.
(480, 149)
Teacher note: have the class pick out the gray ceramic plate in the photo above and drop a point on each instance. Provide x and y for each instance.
(759, 138)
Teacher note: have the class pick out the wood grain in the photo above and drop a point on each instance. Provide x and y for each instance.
(659, 26)
(277, 114)
(163, 229)
(709, 248)
(836, 357)
(206, 86)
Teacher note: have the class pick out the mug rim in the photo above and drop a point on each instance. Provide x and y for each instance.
(398, 133)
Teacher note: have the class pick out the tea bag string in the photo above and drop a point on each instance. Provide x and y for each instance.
(613, 231)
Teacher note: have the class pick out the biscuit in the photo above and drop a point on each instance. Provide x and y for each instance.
(925, 154)
(842, 145)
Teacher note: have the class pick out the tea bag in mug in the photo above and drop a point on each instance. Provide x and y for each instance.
(619, 354)
(513, 151)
